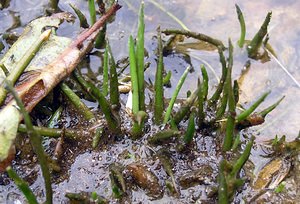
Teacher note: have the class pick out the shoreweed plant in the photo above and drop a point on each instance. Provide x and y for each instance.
(220, 106)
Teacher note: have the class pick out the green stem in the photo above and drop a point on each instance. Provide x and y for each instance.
(241, 161)
(83, 82)
(158, 85)
(185, 108)
(55, 117)
(4, 69)
(236, 91)
(201, 114)
(163, 136)
(175, 94)
(97, 137)
(140, 57)
(105, 73)
(105, 106)
(75, 100)
(92, 11)
(221, 110)
(247, 112)
(113, 79)
(166, 79)
(82, 19)
(231, 104)
(134, 77)
(205, 82)
(190, 132)
(22, 185)
(213, 100)
(258, 38)
(266, 111)
(52, 132)
(54, 4)
(242, 24)
(136, 130)
(100, 40)
(222, 192)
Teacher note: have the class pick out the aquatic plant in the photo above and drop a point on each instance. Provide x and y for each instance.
(136, 56)
(197, 114)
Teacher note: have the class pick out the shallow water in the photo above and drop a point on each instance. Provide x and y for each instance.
(215, 18)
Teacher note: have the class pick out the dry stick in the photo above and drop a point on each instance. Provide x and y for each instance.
(158, 85)
(198, 36)
(35, 89)
(91, 32)
(64, 64)
(231, 104)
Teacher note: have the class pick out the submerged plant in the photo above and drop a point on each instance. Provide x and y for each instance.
(200, 113)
